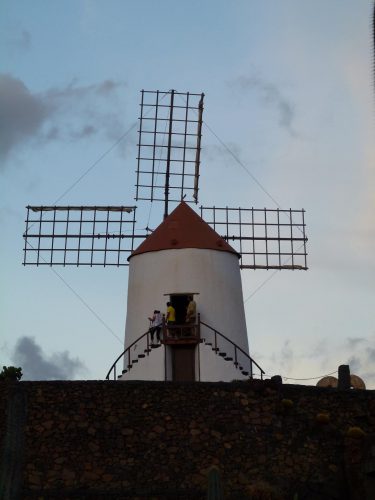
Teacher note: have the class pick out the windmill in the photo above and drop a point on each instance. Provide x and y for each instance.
(186, 258)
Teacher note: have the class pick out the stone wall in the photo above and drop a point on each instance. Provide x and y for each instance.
(113, 440)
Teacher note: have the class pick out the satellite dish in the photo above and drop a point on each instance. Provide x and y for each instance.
(327, 382)
(356, 382)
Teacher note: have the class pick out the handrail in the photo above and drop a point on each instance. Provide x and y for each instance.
(191, 328)
(113, 367)
(236, 347)
(216, 332)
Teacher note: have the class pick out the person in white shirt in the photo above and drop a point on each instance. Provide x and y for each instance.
(155, 326)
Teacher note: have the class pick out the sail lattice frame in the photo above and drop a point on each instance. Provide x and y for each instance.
(170, 126)
(265, 238)
(79, 235)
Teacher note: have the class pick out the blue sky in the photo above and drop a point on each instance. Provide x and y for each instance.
(288, 89)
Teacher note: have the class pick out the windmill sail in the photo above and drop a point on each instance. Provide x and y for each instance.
(79, 235)
(265, 238)
(168, 170)
(170, 126)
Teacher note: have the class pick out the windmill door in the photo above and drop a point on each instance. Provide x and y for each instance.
(183, 363)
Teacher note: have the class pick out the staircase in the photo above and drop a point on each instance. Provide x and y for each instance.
(139, 349)
(220, 344)
(229, 351)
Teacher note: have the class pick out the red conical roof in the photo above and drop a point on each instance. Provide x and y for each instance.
(183, 228)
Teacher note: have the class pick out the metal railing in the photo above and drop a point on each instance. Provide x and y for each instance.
(180, 332)
(240, 357)
(220, 343)
(127, 352)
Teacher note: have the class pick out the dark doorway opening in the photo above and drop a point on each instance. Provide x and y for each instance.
(183, 363)
(180, 303)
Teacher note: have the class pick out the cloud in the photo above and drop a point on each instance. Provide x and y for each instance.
(22, 114)
(287, 356)
(19, 41)
(355, 364)
(73, 91)
(36, 365)
(353, 343)
(271, 95)
(317, 349)
(220, 153)
(68, 113)
(85, 131)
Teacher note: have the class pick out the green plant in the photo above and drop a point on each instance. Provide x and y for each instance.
(214, 488)
(11, 373)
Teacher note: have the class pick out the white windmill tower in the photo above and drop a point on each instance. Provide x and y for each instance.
(185, 256)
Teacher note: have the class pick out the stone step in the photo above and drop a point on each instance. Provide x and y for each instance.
(124, 371)
(141, 356)
(228, 359)
(222, 354)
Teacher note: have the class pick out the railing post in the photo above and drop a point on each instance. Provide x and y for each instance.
(114, 372)
(128, 367)
(164, 329)
(251, 368)
(148, 343)
(215, 342)
(235, 357)
(165, 362)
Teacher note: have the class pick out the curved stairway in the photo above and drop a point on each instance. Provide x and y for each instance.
(220, 344)
(229, 351)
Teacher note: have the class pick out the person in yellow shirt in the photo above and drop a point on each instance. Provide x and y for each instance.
(171, 320)
(171, 314)
(191, 312)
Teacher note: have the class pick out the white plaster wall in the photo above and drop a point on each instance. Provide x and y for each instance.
(215, 275)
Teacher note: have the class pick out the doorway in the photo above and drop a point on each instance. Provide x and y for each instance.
(180, 302)
(183, 363)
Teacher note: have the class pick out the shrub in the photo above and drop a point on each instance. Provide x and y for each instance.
(11, 373)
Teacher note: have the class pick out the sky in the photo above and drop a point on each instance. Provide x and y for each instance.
(289, 102)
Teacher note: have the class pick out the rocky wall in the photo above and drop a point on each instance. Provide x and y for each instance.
(159, 440)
